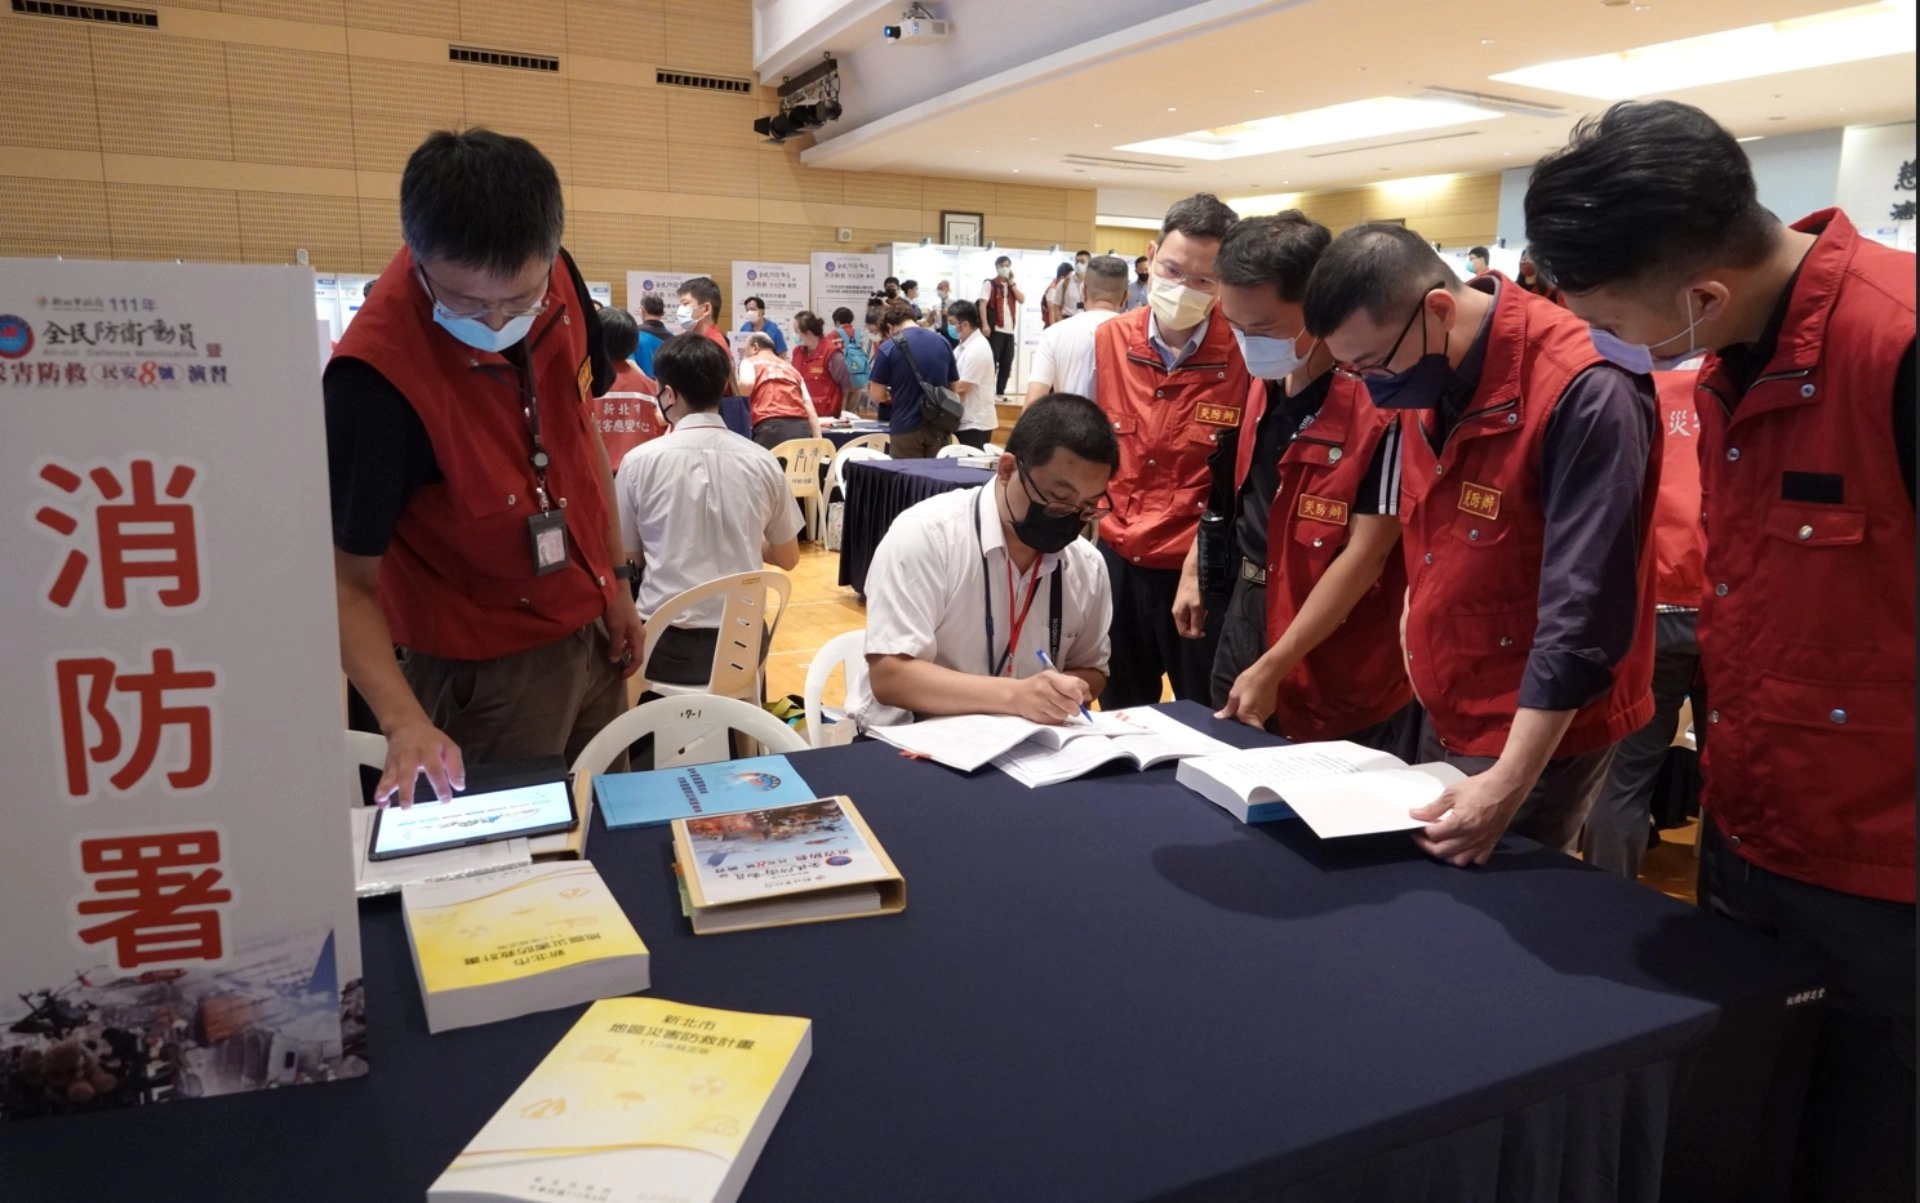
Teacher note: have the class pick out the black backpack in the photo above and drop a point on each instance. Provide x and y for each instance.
(940, 407)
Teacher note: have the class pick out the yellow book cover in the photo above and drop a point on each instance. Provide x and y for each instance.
(552, 926)
(642, 1098)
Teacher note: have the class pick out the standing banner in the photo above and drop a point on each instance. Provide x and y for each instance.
(665, 285)
(847, 280)
(601, 291)
(781, 286)
(180, 917)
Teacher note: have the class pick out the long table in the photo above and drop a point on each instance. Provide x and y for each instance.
(878, 491)
(1107, 991)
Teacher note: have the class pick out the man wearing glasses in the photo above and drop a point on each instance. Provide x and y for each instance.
(472, 499)
(1530, 466)
(969, 588)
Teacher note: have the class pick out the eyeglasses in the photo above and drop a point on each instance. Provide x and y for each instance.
(1089, 511)
(503, 310)
(1380, 371)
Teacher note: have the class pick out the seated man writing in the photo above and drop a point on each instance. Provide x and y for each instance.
(968, 588)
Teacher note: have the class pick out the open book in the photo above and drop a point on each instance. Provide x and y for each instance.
(1339, 788)
(1155, 738)
(967, 741)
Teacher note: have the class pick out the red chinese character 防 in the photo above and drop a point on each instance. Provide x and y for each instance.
(164, 897)
(138, 536)
(84, 685)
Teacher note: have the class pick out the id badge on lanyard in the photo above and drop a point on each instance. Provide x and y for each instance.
(546, 530)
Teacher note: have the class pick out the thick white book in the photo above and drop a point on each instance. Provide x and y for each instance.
(1156, 739)
(1339, 788)
(519, 940)
(967, 741)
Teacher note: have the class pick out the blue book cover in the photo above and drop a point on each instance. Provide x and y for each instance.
(662, 795)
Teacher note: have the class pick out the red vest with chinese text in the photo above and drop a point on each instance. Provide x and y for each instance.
(776, 391)
(458, 578)
(1807, 624)
(1355, 678)
(1168, 423)
(1474, 531)
(812, 366)
(627, 414)
(1679, 540)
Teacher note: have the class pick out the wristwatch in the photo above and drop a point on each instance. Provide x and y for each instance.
(628, 571)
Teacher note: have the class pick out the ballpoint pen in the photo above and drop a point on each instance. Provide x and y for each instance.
(1046, 662)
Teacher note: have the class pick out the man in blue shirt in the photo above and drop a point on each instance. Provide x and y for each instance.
(896, 390)
(653, 331)
(757, 323)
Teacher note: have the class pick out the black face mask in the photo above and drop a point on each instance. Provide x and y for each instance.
(1046, 533)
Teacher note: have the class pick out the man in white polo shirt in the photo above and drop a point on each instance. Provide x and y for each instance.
(1063, 362)
(968, 588)
(974, 357)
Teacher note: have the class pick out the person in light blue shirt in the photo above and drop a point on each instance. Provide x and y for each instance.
(1137, 291)
(757, 323)
(653, 331)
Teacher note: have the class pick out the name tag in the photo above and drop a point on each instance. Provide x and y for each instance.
(1217, 415)
(1323, 509)
(1480, 500)
(586, 379)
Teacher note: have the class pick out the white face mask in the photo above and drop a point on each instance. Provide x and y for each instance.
(1175, 305)
(684, 315)
(1269, 358)
(1005, 273)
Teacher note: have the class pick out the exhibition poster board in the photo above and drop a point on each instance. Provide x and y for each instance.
(782, 287)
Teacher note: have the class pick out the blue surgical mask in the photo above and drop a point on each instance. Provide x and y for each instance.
(1419, 387)
(1269, 358)
(480, 336)
(1639, 358)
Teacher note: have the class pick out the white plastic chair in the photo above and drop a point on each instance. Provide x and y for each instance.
(837, 473)
(993, 449)
(849, 649)
(803, 459)
(688, 730)
(739, 654)
(954, 451)
(364, 750)
(880, 441)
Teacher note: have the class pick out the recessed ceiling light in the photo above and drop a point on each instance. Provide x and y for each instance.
(1821, 40)
(1751, 138)
(1350, 122)
(1172, 109)
(1016, 171)
(1033, 139)
(1486, 41)
(1507, 153)
(1258, 91)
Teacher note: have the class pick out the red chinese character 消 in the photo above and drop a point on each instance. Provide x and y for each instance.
(164, 899)
(138, 535)
(84, 684)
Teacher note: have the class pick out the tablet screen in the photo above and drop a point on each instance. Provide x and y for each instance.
(472, 819)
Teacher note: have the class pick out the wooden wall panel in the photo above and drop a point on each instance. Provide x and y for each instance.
(607, 245)
(713, 170)
(275, 224)
(887, 192)
(622, 29)
(43, 90)
(1128, 243)
(379, 231)
(54, 217)
(528, 25)
(705, 36)
(702, 245)
(161, 96)
(150, 222)
(290, 107)
(313, 12)
(423, 18)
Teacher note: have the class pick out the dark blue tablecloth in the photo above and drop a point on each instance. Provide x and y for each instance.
(1102, 991)
(842, 435)
(878, 491)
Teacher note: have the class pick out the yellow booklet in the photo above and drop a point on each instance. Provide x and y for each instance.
(643, 1098)
(525, 939)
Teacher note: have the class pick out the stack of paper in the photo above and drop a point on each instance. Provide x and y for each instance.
(967, 741)
(1155, 739)
(1339, 788)
(372, 878)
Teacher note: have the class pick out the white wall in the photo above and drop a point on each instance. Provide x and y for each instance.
(1148, 203)
(1870, 159)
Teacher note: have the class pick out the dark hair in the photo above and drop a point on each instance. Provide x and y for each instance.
(482, 200)
(1139, 259)
(1088, 254)
(1063, 421)
(754, 303)
(964, 311)
(704, 291)
(843, 316)
(895, 314)
(1202, 215)
(1648, 188)
(1003, 261)
(620, 332)
(808, 322)
(890, 280)
(695, 368)
(1277, 252)
(1479, 252)
(1063, 271)
(1381, 268)
(366, 290)
(1107, 278)
(653, 305)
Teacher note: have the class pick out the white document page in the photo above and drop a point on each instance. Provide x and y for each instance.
(1153, 736)
(1371, 802)
(967, 741)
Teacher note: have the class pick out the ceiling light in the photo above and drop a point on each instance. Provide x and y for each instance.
(1352, 122)
(1171, 109)
(1822, 40)
(1751, 138)
(1486, 41)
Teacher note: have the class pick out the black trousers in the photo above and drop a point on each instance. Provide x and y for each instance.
(973, 438)
(1002, 343)
(1145, 643)
(1857, 1131)
(1615, 838)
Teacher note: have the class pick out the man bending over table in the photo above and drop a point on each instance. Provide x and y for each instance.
(967, 589)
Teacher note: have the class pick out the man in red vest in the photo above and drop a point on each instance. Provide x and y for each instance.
(472, 499)
(1171, 379)
(1309, 641)
(1529, 468)
(1649, 223)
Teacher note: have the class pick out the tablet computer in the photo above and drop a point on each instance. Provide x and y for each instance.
(475, 817)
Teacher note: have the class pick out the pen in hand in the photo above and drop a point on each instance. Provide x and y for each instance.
(1046, 662)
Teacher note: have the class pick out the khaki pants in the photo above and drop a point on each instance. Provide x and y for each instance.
(917, 444)
(545, 701)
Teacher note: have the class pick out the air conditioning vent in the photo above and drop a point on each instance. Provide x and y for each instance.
(1103, 164)
(139, 18)
(1499, 104)
(1355, 150)
(477, 57)
(704, 83)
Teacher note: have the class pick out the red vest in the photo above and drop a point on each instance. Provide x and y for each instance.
(813, 369)
(627, 414)
(1167, 423)
(1474, 531)
(1679, 539)
(457, 580)
(776, 391)
(1355, 678)
(1807, 627)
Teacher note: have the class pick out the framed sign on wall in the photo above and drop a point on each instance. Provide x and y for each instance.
(962, 229)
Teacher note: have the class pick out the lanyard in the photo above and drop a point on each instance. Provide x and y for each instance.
(1004, 665)
(538, 457)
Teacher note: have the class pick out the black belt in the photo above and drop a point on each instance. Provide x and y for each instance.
(1252, 572)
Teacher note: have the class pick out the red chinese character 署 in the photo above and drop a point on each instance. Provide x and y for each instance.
(138, 535)
(162, 893)
(84, 685)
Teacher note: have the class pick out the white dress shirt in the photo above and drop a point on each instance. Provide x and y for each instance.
(974, 358)
(699, 501)
(1064, 359)
(925, 597)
